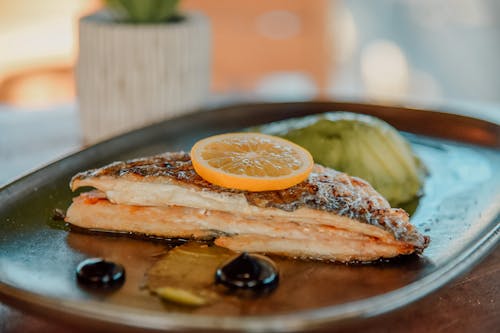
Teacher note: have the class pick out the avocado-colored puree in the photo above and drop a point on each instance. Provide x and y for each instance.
(361, 146)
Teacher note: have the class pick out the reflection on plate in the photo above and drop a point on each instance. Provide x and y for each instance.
(303, 285)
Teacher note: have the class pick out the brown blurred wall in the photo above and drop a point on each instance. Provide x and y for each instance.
(242, 55)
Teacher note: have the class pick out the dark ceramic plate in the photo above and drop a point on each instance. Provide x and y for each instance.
(460, 212)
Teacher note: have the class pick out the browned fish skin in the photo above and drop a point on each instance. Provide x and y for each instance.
(325, 189)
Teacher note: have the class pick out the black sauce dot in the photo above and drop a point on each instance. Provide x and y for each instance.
(248, 271)
(96, 272)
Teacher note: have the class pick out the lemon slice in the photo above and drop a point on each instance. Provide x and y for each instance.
(251, 161)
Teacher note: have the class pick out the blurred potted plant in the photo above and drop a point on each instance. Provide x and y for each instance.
(140, 61)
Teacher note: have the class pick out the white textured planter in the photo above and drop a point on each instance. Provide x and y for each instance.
(132, 75)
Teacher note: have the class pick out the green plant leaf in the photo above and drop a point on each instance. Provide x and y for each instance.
(144, 11)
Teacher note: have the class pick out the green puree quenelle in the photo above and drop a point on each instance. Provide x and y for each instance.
(360, 145)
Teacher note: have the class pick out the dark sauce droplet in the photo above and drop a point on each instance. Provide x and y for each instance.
(248, 271)
(98, 273)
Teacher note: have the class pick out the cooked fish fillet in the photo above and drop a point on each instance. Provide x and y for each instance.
(329, 216)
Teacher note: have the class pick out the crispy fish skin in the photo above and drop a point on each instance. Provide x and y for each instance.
(326, 197)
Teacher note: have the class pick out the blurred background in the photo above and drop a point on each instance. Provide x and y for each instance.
(389, 50)
(426, 53)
